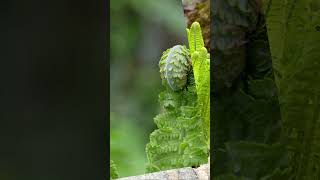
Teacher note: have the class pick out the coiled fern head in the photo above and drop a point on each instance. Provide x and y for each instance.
(174, 67)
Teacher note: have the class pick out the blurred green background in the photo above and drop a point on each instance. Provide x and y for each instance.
(140, 31)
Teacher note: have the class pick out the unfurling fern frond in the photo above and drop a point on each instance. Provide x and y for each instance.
(174, 66)
(182, 138)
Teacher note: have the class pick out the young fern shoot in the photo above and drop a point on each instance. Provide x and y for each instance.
(182, 137)
(201, 69)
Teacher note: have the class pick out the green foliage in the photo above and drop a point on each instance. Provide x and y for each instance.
(247, 115)
(295, 48)
(113, 170)
(177, 142)
(201, 70)
(181, 138)
(254, 160)
(247, 120)
(251, 116)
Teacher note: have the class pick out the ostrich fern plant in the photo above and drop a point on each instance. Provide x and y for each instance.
(182, 138)
(265, 120)
(247, 119)
(295, 48)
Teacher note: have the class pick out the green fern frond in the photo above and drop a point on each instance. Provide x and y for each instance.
(201, 71)
(183, 125)
(174, 144)
(295, 48)
(113, 170)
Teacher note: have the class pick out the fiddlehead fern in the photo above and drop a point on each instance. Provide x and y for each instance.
(182, 135)
(174, 66)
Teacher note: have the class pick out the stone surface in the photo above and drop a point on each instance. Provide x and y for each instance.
(200, 173)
